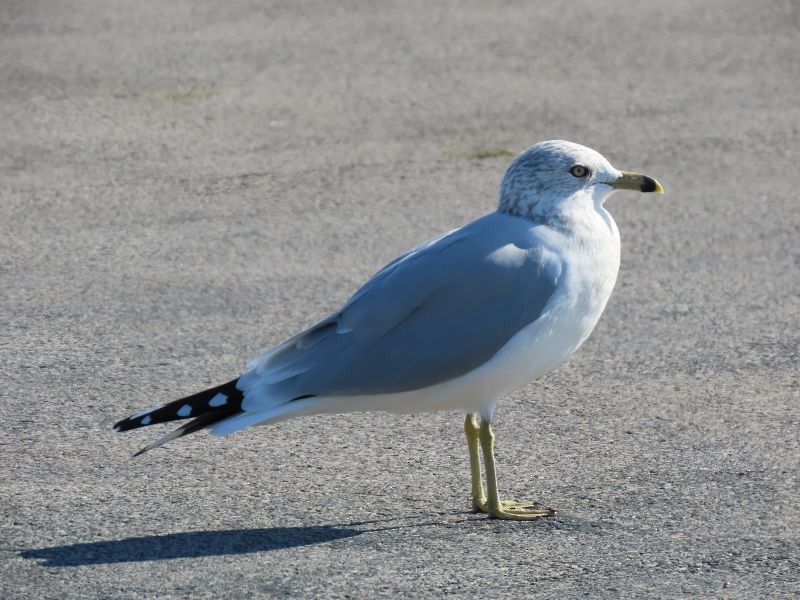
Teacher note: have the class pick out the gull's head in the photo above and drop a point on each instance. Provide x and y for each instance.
(553, 177)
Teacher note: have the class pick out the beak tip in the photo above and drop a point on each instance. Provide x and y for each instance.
(648, 184)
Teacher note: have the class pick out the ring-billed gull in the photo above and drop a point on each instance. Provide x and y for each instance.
(454, 324)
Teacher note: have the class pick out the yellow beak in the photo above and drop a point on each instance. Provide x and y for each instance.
(636, 182)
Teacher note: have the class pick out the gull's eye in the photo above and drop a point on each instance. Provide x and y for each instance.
(579, 171)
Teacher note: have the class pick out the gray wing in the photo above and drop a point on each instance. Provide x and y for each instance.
(432, 314)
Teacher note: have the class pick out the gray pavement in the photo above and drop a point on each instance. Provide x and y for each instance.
(185, 183)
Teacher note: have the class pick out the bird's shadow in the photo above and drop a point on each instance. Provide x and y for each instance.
(230, 542)
(191, 544)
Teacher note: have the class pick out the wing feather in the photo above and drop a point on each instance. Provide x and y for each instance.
(432, 314)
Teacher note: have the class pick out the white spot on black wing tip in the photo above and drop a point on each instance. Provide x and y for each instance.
(218, 400)
(142, 413)
(117, 428)
(146, 420)
(184, 411)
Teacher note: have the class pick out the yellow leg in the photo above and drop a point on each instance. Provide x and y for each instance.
(471, 429)
(503, 509)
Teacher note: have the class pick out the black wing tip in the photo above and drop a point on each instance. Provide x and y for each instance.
(125, 425)
(134, 422)
(196, 405)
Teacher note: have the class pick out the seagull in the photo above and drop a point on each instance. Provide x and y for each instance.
(454, 324)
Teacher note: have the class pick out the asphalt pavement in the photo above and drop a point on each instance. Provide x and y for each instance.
(183, 184)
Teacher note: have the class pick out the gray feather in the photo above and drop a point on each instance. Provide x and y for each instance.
(433, 314)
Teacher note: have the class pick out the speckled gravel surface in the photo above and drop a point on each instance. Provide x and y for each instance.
(185, 183)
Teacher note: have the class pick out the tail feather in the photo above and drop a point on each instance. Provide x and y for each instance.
(207, 407)
(192, 426)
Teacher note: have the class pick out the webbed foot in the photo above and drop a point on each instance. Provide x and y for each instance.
(512, 510)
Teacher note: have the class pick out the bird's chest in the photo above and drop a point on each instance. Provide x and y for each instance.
(585, 285)
(589, 276)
